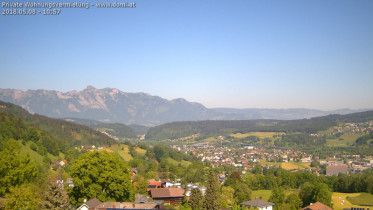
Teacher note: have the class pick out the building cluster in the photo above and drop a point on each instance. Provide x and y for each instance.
(364, 127)
(351, 165)
(242, 156)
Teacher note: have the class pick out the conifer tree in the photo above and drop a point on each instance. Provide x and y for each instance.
(195, 200)
(211, 197)
(55, 198)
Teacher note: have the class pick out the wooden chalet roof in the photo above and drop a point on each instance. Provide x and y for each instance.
(167, 192)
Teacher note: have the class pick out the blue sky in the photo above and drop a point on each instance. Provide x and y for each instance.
(239, 54)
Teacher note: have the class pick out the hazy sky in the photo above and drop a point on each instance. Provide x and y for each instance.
(239, 54)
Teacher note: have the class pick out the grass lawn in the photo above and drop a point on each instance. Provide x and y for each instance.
(264, 162)
(122, 150)
(210, 139)
(364, 199)
(34, 155)
(338, 198)
(261, 135)
(302, 165)
(291, 165)
(265, 194)
(348, 139)
(140, 151)
(175, 162)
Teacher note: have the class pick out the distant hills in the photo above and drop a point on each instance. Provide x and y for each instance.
(282, 114)
(221, 127)
(110, 105)
(126, 131)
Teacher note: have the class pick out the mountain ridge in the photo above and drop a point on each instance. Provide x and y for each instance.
(111, 105)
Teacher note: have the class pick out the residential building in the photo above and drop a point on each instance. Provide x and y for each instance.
(335, 170)
(259, 204)
(171, 196)
(317, 206)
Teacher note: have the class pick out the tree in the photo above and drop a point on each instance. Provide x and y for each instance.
(211, 196)
(226, 197)
(257, 169)
(242, 192)
(55, 198)
(233, 179)
(102, 175)
(294, 201)
(15, 169)
(195, 199)
(322, 194)
(142, 186)
(277, 196)
(310, 193)
(306, 193)
(21, 197)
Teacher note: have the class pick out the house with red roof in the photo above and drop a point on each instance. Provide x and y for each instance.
(171, 196)
(317, 206)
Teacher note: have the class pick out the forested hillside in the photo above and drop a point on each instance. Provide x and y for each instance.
(182, 129)
(60, 133)
(117, 129)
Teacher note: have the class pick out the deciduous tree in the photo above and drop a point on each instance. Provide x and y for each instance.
(102, 175)
(21, 197)
(15, 168)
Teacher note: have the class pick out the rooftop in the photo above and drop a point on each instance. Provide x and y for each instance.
(167, 192)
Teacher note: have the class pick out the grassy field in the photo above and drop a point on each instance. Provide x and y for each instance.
(36, 156)
(264, 162)
(347, 139)
(293, 165)
(122, 150)
(174, 162)
(210, 139)
(338, 198)
(140, 151)
(261, 135)
(364, 199)
(302, 165)
(265, 194)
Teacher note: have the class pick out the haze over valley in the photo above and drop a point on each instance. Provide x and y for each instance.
(111, 105)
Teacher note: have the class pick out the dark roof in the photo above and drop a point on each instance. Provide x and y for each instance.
(92, 203)
(152, 186)
(139, 198)
(167, 192)
(317, 206)
(338, 166)
(126, 205)
(257, 203)
(335, 170)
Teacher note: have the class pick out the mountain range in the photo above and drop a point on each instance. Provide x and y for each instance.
(110, 105)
